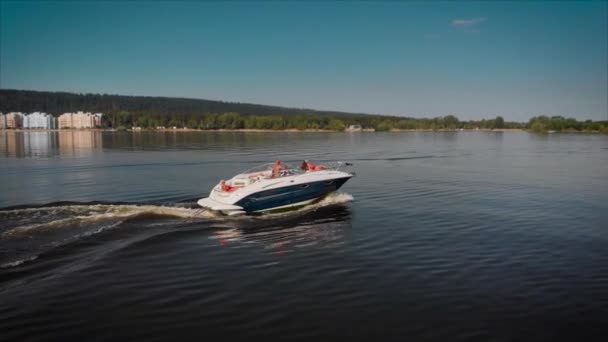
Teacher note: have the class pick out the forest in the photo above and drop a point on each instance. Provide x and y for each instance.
(123, 112)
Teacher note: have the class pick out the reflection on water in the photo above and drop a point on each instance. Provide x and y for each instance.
(287, 232)
(79, 142)
(11, 143)
(38, 144)
(47, 144)
(447, 236)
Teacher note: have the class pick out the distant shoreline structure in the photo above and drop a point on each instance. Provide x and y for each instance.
(247, 130)
(125, 112)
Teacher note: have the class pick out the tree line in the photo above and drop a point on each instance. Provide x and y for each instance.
(544, 123)
(122, 112)
(232, 120)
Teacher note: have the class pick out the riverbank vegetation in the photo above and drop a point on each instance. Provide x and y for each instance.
(542, 124)
(123, 112)
(231, 120)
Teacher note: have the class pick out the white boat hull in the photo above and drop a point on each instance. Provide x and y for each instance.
(265, 194)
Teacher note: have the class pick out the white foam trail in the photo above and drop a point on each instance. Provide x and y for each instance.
(88, 214)
(103, 217)
(60, 225)
(336, 198)
(18, 262)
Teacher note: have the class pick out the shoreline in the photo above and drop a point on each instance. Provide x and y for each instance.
(293, 130)
(461, 130)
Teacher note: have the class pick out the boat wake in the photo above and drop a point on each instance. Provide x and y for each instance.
(26, 233)
(33, 219)
(336, 198)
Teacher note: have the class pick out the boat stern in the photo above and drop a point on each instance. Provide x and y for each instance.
(228, 209)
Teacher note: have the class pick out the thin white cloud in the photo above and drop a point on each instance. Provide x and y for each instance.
(468, 22)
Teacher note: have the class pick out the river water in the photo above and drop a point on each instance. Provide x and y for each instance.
(440, 236)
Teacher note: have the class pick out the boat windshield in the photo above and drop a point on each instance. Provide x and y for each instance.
(297, 168)
(290, 168)
(265, 171)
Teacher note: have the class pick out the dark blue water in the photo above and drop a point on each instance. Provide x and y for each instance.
(440, 236)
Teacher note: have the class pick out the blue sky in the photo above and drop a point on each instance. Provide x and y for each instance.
(471, 59)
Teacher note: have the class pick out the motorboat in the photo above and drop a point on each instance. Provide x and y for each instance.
(276, 186)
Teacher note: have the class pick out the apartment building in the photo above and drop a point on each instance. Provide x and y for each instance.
(12, 120)
(79, 120)
(39, 120)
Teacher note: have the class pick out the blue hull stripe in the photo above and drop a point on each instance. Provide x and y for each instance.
(289, 195)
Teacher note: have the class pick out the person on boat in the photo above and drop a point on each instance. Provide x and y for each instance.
(226, 187)
(308, 166)
(276, 169)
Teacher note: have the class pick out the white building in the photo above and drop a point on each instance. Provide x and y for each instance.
(2, 121)
(39, 120)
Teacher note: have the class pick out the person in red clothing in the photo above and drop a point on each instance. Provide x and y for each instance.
(308, 166)
(226, 187)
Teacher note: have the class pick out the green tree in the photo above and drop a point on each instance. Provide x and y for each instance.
(192, 124)
(384, 125)
(499, 122)
(538, 127)
(336, 125)
(451, 122)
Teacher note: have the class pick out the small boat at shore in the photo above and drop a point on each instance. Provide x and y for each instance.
(276, 186)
